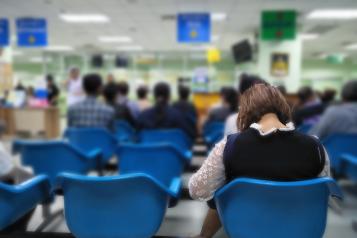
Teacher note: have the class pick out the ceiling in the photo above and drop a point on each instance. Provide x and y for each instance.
(142, 21)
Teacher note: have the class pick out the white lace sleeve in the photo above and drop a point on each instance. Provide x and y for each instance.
(210, 176)
(326, 172)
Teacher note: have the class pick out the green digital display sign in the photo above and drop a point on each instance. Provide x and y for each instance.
(278, 25)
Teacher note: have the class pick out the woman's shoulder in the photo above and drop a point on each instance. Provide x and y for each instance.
(307, 139)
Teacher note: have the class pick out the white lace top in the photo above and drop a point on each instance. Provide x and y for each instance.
(211, 175)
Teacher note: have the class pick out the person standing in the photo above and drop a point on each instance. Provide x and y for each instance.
(52, 91)
(74, 87)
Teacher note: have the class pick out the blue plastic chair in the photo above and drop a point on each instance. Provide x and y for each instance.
(349, 166)
(213, 138)
(212, 127)
(161, 161)
(129, 206)
(124, 131)
(176, 137)
(339, 144)
(17, 200)
(88, 139)
(54, 157)
(259, 208)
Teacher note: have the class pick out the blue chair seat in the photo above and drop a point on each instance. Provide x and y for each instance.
(17, 200)
(54, 157)
(124, 132)
(161, 161)
(88, 139)
(128, 206)
(259, 208)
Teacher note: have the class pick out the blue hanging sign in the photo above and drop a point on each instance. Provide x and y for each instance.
(193, 27)
(31, 32)
(4, 32)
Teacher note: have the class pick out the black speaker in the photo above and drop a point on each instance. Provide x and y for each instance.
(121, 62)
(97, 61)
(242, 51)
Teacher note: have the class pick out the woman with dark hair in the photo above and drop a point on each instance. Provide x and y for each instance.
(162, 115)
(267, 147)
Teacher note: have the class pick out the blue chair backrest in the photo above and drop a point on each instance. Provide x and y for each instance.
(124, 131)
(258, 208)
(88, 139)
(212, 127)
(52, 158)
(339, 144)
(349, 166)
(17, 200)
(174, 136)
(129, 206)
(161, 161)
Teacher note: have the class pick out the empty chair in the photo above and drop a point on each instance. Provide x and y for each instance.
(124, 131)
(17, 200)
(88, 139)
(349, 166)
(213, 138)
(161, 161)
(339, 144)
(128, 206)
(259, 208)
(212, 127)
(54, 157)
(176, 137)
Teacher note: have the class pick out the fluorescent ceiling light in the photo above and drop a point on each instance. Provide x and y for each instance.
(115, 39)
(59, 48)
(130, 48)
(84, 18)
(342, 14)
(218, 16)
(308, 36)
(351, 46)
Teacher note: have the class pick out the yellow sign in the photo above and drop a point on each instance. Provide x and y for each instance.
(213, 55)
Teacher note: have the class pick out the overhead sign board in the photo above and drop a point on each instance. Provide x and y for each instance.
(193, 27)
(31, 32)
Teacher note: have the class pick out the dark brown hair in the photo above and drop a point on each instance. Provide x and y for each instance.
(260, 100)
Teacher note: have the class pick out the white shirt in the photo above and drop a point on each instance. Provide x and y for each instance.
(6, 163)
(75, 91)
(230, 126)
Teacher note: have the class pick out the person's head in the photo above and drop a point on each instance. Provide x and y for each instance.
(110, 93)
(328, 95)
(230, 98)
(305, 94)
(183, 92)
(260, 100)
(92, 84)
(162, 92)
(74, 73)
(247, 81)
(49, 79)
(110, 78)
(123, 88)
(349, 91)
(142, 92)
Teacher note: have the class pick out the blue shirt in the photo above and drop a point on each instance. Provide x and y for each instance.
(91, 113)
(170, 118)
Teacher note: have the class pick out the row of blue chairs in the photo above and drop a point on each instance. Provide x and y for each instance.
(134, 205)
(212, 133)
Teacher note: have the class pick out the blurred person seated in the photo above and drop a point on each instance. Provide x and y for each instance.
(123, 90)
(143, 102)
(122, 112)
(110, 79)
(90, 112)
(246, 82)
(310, 107)
(229, 105)
(268, 147)
(52, 91)
(328, 96)
(12, 174)
(74, 86)
(163, 116)
(340, 118)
